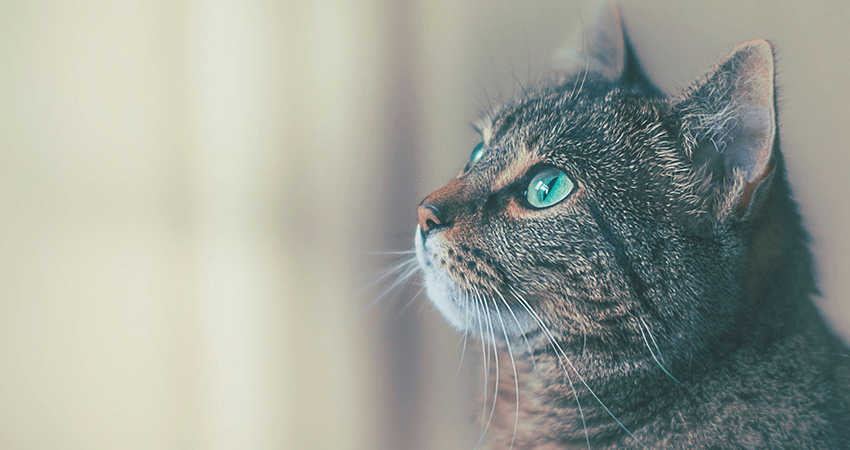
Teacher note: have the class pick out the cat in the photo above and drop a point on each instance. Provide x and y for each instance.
(639, 264)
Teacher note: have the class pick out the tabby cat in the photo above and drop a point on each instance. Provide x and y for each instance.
(639, 264)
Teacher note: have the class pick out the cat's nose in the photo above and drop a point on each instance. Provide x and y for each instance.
(440, 208)
(429, 217)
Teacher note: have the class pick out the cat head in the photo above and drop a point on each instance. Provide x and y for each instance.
(597, 208)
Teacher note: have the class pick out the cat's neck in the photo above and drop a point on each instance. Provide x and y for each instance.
(639, 405)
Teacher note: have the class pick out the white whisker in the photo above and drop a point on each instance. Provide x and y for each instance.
(485, 363)
(465, 334)
(393, 252)
(555, 345)
(496, 362)
(513, 364)
(527, 344)
(407, 268)
(559, 349)
(644, 325)
(412, 299)
(382, 275)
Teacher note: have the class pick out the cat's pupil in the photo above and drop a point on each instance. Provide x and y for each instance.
(545, 188)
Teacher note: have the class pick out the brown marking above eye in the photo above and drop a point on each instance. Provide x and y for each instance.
(516, 169)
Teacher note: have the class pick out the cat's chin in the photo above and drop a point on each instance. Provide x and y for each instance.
(439, 287)
(458, 308)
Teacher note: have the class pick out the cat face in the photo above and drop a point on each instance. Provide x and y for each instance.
(536, 219)
(599, 210)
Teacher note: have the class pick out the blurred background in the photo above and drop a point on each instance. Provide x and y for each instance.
(195, 197)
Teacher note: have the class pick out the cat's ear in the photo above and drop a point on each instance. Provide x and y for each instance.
(601, 48)
(728, 124)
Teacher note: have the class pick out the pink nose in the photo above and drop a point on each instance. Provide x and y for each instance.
(429, 217)
(439, 209)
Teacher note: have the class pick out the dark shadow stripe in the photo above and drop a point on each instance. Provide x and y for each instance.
(621, 256)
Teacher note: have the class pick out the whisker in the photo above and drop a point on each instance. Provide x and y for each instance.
(409, 272)
(485, 364)
(412, 299)
(584, 345)
(493, 68)
(513, 364)
(392, 252)
(408, 268)
(583, 381)
(510, 310)
(543, 61)
(516, 79)
(382, 275)
(585, 50)
(656, 348)
(465, 334)
(496, 357)
(649, 332)
(555, 345)
(390, 271)
(483, 89)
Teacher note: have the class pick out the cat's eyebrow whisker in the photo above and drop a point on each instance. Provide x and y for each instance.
(483, 89)
(583, 381)
(584, 77)
(554, 344)
(513, 364)
(517, 80)
(642, 326)
(585, 49)
(543, 61)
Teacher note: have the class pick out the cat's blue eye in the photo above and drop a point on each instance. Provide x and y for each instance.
(477, 153)
(548, 187)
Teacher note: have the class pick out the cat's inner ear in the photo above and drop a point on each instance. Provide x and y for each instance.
(729, 120)
(600, 48)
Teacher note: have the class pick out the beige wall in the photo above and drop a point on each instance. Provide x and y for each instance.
(191, 192)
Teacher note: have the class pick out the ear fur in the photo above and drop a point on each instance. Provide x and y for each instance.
(601, 48)
(728, 124)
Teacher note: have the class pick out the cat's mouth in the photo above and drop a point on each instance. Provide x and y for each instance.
(474, 309)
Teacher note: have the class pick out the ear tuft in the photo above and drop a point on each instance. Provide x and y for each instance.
(729, 127)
